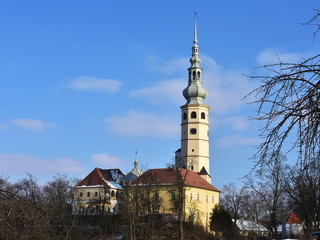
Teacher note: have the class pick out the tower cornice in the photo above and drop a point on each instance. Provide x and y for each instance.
(195, 106)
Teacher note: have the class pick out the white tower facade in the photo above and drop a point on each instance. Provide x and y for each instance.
(194, 152)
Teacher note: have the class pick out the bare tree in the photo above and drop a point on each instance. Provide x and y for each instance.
(233, 200)
(58, 197)
(269, 184)
(20, 215)
(288, 101)
(253, 208)
(304, 191)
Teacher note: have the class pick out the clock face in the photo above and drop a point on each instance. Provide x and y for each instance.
(193, 130)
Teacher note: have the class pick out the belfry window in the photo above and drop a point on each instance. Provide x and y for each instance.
(193, 115)
(193, 75)
(203, 115)
(198, 74)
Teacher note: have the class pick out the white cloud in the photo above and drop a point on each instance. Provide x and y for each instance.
(137, 123)
(104, 160)
(236, 141)
(271, 56)
(226, 88)
(90, 83)
(20, 163)
(32, 124)
(167, 66)
(169, 91)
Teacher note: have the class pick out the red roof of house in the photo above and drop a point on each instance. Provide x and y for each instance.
(97, 175)
(170, 176)
(293, 218)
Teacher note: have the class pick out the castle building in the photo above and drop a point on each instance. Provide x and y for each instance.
(183, 190)
(100, 192)
(173, 191)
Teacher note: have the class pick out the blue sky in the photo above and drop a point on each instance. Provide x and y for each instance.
(86, 83)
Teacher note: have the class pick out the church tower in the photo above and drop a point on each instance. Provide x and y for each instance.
(194, 152)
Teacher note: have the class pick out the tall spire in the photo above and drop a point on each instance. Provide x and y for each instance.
(195, 40)
(194, 93)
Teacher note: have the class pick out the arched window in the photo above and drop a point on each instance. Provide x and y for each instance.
(112, 193)
(203, 115)
(184, 116)
(193, 75)
(193, 115)
(198, 74)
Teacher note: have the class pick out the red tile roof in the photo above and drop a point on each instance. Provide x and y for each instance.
(97, 175)
(170, 176)
(293, 218)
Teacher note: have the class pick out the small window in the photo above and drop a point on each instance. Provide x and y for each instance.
(212, 199)
(156, 196)
(193, 131)
(96, 194)
(191, 197)
(141, 196)
(198, 197)
(192, 150)
(135, 196)
(193, 115)
(191, 167)
(112, 193)
(107, 193)
(184, 116)
(203, 115)
(173, 195)
(88, 194)
(198, 215)
(193, 75)
(81, 194)
(198, 74)
(207, 198)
